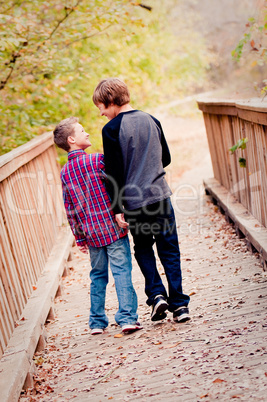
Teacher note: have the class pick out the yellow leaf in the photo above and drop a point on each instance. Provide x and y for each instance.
(192, 293)
(118, 335)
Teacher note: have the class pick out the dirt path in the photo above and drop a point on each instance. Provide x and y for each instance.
(219, 355)
(187, 140)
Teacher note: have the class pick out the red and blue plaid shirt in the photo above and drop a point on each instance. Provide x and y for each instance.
(86, 200)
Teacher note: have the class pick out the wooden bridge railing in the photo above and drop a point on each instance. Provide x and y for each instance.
(31, 217)
(227, 122)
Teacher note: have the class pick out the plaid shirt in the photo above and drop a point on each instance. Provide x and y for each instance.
(86, 200)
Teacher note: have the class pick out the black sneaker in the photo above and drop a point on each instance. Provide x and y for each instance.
(181, 314)
(158, 308)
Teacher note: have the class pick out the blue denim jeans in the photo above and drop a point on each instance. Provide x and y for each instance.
(118, 256)
(151, 224)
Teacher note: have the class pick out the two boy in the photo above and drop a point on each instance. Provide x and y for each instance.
(136, 153)
(94, 227)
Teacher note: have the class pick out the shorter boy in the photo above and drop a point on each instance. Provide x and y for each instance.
(93, 224)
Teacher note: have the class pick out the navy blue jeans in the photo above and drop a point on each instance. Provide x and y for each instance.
(151, 224)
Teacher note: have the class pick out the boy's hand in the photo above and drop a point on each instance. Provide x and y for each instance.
(83, 249)
(121, 221)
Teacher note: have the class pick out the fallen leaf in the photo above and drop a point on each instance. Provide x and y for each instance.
(192, 293)
(118, 336)
(218, 380)
(171, 346)
(39, 361)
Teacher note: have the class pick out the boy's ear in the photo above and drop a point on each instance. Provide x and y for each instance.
(71, 140)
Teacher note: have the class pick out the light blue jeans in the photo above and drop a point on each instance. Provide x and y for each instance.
(118, 256)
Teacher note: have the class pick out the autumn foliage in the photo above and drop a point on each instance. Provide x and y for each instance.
(54, 53)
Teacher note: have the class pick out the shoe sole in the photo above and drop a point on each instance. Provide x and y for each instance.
(160, 312)
(97, 333)
(159, 317)
(182, 318)
(130, 330)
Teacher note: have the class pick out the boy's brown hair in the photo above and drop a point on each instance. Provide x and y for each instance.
(63, 130)
(111, 91)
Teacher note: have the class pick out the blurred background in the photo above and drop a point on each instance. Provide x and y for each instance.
(54, 53)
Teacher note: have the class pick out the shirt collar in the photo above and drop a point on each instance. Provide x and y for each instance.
(75, 153)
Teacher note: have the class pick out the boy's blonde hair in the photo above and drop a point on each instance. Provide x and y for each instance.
(63, 130)
(111, 91)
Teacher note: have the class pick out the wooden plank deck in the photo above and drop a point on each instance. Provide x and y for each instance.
(219, 355)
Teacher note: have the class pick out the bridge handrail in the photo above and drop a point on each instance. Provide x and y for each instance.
(31, 218)
(228, 121)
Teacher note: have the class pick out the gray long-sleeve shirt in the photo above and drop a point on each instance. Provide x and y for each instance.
(136, 153)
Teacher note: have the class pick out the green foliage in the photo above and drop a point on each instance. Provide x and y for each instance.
(41, 79)
(254, 42)
(241, 144)
(237, 52)
(54, 53)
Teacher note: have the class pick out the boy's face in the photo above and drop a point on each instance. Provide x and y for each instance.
(110, 112)
(80, 139)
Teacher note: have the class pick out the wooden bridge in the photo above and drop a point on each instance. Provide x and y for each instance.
(45, 345)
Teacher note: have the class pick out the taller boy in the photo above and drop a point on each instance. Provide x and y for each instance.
(136, 153)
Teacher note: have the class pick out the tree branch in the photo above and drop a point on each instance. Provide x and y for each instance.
(144, 6)
(63, 19)
(16, 3)
(4, 82)
(12, 67)
(87, 37)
